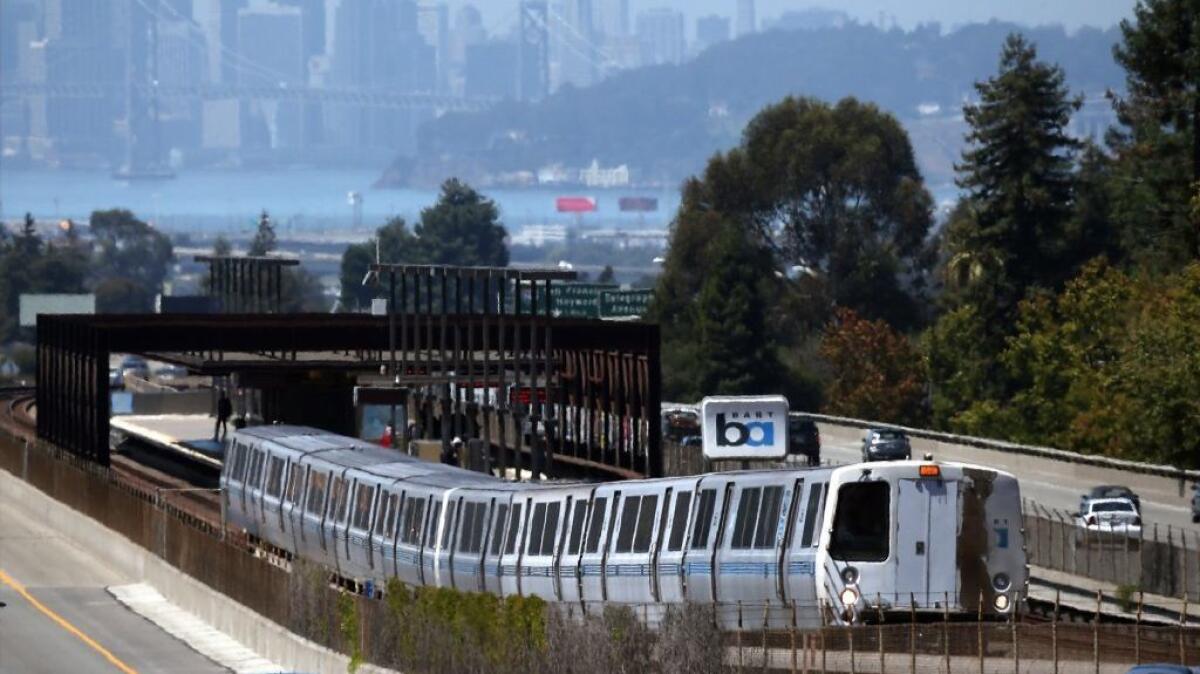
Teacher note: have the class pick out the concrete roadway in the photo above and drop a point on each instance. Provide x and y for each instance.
(92, 631)
(1059, 490)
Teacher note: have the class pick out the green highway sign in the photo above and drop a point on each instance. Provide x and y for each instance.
(624, 303)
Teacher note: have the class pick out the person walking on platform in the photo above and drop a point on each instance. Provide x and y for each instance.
(224, 411)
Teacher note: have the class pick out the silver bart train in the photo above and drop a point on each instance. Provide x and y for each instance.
(821, 544)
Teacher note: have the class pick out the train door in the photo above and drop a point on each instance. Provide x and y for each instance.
(333, 528)
(926, 542)
(469, 548)
(272, 496)
(568, 570)
(408, 544)
(698, 560)
(627, 575)
(800, 570)
(251, 489)
(748, 556)
(510, 554)
(499, 518)
(541, 543)
(596, 542)
(358, 528)
(383, 532)
(669, 569)
(293, 509)
(437, 546)
(314, 511)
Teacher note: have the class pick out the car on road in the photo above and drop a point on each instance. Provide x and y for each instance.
(804, 440)
(134, 366)
(885, 444)
(1110, 491)
(1111, 515)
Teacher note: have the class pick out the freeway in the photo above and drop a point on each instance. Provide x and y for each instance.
(56, 616)
(1050, 484)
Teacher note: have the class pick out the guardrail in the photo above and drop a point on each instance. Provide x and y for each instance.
(1172, 472)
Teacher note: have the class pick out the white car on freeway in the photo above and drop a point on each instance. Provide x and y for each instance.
(1111, 515)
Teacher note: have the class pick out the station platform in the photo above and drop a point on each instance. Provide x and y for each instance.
(190, 435)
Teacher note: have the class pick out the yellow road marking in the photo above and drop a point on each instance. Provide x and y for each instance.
(62, 622)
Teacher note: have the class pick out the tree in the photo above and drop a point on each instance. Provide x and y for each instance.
(876, 372)
(733, 353)
(264, 241)
(607, 275)
(462, 228)
(128, 248)
(394, 244)
(1158, 149)
(1018, 176)
(222, 247)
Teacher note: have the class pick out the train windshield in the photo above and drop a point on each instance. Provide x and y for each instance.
(861, 523)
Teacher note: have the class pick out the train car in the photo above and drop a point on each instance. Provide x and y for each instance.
(815, 545)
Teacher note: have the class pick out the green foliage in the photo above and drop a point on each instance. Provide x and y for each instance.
(131, 260)
(876, 372)
(1019, 182)
(264, 240)
(1158, 150)
(28, 265)
(351, 630)
(607, 275)
(462, 228)
(395, 245)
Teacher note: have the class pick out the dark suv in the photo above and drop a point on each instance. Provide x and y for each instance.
(804, 439)
(885, 444)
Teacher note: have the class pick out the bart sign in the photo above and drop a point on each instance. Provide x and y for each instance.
(744, 427)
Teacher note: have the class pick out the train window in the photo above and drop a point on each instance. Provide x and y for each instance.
(362, 507)
(704, 514)
(338, 497)
(274, 485)
(382, 513)
(239, 461)
(498, 528)
(533, 537)
(316, 492)
(596, 524)
(295, 485)
(862, 522)
(414, 515)
(645, 525)
(629, 513)
(448, 527)
(393, 507)
(768, 518)
(514, 525)
(577, 517)
(468, 533)
(254, 477)
(552, 512)
(431, 530)
(683, 503)
(810, 514)
(747, 517)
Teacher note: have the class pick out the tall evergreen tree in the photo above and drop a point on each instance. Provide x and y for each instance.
(264, 238)
(1018, 176)
(1158, 149)
(462, 228)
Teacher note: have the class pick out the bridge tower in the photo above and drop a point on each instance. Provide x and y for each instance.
(533, 56)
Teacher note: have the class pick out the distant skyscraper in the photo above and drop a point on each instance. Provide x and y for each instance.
(747, 22)
(710, 30)
(433, 23)
(271, 44)
(574, 44)
(534, 53)
(491, 69)
(611, 18)
(660, 32)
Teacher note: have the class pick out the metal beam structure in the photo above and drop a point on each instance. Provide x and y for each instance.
(472, 347)
(244, 283)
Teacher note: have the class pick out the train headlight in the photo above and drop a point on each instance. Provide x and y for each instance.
(850, 575)
(1001, 602)
(1001, 582)
(849, 596)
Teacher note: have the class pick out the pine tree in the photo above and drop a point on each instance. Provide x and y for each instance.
(1158, 150)
(462, 228)
(1018, 176)
(264, 240)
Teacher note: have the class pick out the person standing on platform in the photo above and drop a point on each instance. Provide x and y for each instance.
(224, 411)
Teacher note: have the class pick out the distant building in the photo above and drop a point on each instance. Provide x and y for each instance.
(575, 44)
(814, 18)
(747, 21)
(433, 24)
(595, 176)
(491, 69)
(660, 33)
(710, 30)
(611, 18)
(271, 36)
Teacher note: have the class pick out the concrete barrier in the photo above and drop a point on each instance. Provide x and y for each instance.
(252, 630)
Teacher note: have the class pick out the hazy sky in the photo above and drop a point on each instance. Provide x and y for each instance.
(1070, 13)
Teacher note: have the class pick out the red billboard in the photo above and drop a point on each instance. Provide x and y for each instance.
(575, 204)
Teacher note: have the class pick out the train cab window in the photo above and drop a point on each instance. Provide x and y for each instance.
(810, 514)
(316, 492)
(274, 486)
(553, 510)
(862, 522)
(596, 524)
(295, 485)
(514, 525)
(498, 528)
(747, 517)
(578, 514)
(362, 507)
(645, 524)
(768, 518)
(629, 515)
(683, 503)
(704, 513)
